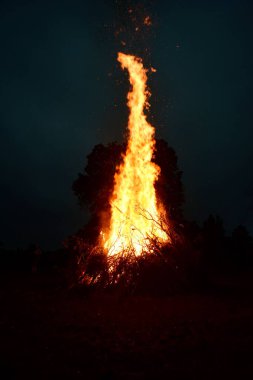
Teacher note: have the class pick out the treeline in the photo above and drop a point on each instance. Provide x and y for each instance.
(200, 253)
(217, 250)
(32, 260)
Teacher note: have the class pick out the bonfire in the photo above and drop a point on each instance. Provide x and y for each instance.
(138, 218)
(138, 226)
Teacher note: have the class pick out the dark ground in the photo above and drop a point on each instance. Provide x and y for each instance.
(49, 331)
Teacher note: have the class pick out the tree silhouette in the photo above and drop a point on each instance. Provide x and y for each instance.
(94, 186)
(169, 186)
(241, 238)
(213, 239)
(241, 246)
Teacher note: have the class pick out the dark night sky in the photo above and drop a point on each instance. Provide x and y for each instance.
(60, 96)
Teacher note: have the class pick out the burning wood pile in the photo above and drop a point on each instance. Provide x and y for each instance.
(135, 239)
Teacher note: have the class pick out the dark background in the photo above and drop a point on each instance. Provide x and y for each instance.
(62, 92)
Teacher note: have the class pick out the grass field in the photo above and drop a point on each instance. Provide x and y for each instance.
(51, 332)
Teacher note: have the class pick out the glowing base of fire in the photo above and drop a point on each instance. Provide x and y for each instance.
(134, 243)
(131, 239)
(103, 269)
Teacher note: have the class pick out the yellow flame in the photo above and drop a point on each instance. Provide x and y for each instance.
(135, 215)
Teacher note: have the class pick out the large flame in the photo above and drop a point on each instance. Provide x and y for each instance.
(136, 216)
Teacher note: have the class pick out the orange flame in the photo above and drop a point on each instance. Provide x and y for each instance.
(136, 216)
